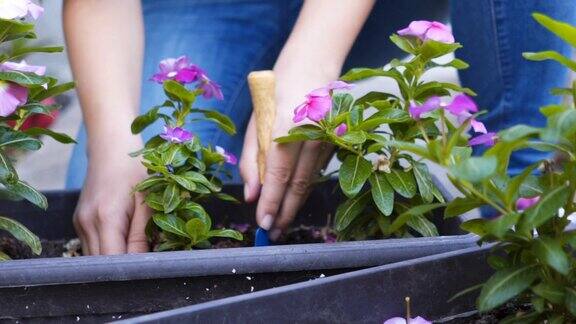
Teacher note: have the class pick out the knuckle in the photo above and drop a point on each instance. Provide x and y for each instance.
(299, 186)
(280, 174)
(82, 219)
(106, 215)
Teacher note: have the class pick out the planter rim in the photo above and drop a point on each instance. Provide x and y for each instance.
(157, 317)
(229, 261)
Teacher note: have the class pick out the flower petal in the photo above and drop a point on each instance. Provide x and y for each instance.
(462, 104)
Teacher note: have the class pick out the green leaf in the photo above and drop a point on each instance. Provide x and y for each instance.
(223, 121)
(54, 91)
(571, 300)
(461, 205)
(384, 116)
(422, 225)
(365, 73)
(403, 43)
(19, 140)
(455, 63)
(505, 285)
(226, 233)
(145, 120)
(546, 208)
(403, 182)
(424, 181)
(174, 156)
(308, 131)
(21, 233)
(14, 27)
(201, 179)
(500, 225)
(4, 256)
(563, 30)
(341, 103)
(354, 172)
(551, 252)
(7, 171)
(39, 49)
(147, 183)
(170, 198)
(349, 210)
(550, 291)
(184, 182)
(176, 91)
(171, 224)
(433, 49)
(475, 169)
(354, 137)
(23, 78)
(517, 132)
(26, 191)
(476, 226)
(513, 187)
(197, 230)
(382, 193)
(551, 55)
(154, 201)
(409, 214)
(60, 137)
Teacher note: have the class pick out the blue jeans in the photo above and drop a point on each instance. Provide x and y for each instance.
(230, 38)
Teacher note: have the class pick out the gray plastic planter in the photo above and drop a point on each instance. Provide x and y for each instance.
(364, 296)
(100, 288)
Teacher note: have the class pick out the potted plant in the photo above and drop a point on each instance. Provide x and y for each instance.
(525, 274)
(184, 173)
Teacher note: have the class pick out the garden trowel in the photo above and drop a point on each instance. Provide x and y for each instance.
(262, 89)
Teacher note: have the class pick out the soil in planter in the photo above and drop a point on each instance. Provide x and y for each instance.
(493, 317)
(58, 248)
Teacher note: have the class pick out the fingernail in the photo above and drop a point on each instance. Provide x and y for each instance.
(275, 234)
(246, 191)
(266, 222)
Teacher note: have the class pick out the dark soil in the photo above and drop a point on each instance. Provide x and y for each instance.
(493, 317)
(50, 249)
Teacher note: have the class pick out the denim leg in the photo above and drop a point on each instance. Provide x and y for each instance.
(494, 34)
(230, 38)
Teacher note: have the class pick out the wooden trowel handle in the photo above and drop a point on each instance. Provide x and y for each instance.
(263, 92)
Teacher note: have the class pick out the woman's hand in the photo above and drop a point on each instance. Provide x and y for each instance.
(110, 218)
(312, 57)
(290, 168)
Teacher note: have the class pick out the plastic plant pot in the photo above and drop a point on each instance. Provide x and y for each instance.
(364, 296)
(102, 288)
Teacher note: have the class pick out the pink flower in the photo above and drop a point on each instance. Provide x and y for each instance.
(22, 67)
(428, 30)
(525, 203)
(488, 139)
(178, 69)
(316, 106)
(339, 85)
(176, 134)
(478, 126)
(228, 157)
(462, 104)
(15, 9)
(402, 320)
(12, 95)
(210, 89)
(416, 111)
(341, 129)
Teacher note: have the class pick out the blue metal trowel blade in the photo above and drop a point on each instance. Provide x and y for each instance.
(261, 237)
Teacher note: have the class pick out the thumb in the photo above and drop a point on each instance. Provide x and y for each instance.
(137, 240)
(249, 163)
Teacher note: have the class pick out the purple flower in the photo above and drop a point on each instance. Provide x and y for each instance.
(210, 89)
(525, 203)
(416, 111)
(339, 85)
(176, 134)
(15, 9)
(242, 227)
(316, 106)
(22, 67)
(12, 95)
(488, 139)
(228, 156)
(402, 320)
(428, 30)
(341, 129)
(478, 126)
(178, 69)
(462, 104)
